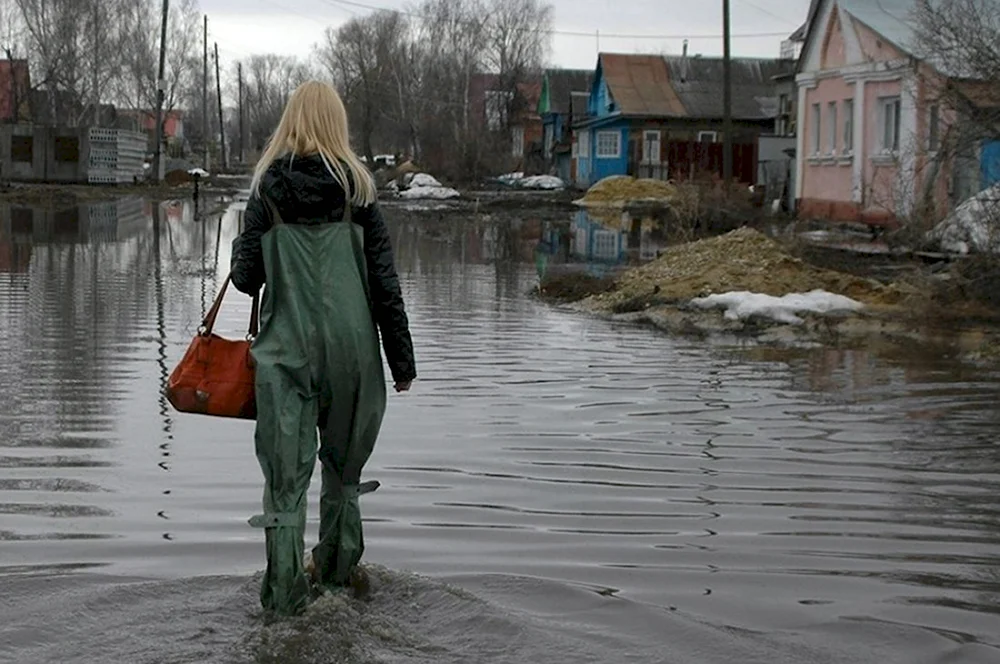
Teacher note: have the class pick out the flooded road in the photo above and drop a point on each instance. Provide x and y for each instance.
(589, 491)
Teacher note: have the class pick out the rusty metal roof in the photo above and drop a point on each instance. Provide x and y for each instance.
(640, 85)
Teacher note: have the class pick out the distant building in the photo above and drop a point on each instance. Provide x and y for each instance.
(662, 117)
(145, 121)
(871, 123)
(15, 91)
(563, 99)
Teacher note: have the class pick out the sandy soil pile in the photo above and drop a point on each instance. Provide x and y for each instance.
(743, 260)
(624, 189)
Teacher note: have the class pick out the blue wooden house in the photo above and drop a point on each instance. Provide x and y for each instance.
(661, 117)
(562, 100)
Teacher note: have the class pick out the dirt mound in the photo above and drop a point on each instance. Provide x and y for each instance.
(624, 189)
(743, 260)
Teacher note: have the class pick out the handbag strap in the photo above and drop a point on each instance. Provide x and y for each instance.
(208, 324)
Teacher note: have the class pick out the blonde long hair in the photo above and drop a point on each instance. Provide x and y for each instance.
(315, 122)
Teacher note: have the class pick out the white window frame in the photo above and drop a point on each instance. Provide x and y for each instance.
(831, 129)
(602, 151)
(606, 244)
(584, 150)
(934, 128)
(814, 127)
(890, 113)
(848, 137)
(713, 136)
(656, 136)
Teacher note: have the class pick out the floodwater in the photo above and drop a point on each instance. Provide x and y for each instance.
(554, 489)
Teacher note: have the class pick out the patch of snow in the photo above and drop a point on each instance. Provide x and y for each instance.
(199, 172)
(423, 180)
(973, 226)
(740, 305)
(437, 193)
(542, 182)
(511, 177)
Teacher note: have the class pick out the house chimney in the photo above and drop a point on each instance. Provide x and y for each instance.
(684, 63)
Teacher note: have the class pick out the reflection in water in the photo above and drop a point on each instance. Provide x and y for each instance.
(161, 356)
(760, 488)
(597, 245)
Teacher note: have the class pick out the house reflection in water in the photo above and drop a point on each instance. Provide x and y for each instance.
(22, 227)
(591, 240)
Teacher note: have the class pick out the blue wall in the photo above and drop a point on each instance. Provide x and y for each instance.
(990, 164)
(598, 103)
(563, 163)
(603, 167)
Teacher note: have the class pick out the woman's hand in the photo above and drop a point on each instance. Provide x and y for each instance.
(403, 386)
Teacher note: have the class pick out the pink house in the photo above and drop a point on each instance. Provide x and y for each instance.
(869, 123)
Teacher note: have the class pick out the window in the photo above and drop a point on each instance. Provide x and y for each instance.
(889, 108)
(934, 129)
(584, 152)
(67, 149)
(605, 244)
(609, 144)
(831, 128)
(651, 147)
(517, 141)
(814, 129)
(22, 149)
(22, 221)
(848, 126)
(708, 137)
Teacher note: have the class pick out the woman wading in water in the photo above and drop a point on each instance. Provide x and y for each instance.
(314, 235)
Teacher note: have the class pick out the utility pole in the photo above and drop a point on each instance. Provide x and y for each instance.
(95, 121)
(222, 126)
(727, 99)
(204, 95)
(239, 75)
(160, 85)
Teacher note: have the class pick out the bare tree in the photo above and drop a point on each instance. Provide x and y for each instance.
(362, 57)
(139, 33)
(269, 81)
(518, 44)
(958, 42)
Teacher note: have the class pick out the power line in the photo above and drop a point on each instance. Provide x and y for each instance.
(567, 33)
(769, 12)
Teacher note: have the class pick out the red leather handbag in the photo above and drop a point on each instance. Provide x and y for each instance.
(216, 375)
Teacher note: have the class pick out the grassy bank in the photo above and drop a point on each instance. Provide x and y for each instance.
(947, 309)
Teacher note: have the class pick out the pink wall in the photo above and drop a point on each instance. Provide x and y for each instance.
(879, 185)
(834, 50)
(874, 47)
(827, 179)
(828, 183)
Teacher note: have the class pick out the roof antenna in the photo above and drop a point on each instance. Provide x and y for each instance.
(684, 63)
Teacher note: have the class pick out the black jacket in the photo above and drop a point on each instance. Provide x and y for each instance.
(306, 193)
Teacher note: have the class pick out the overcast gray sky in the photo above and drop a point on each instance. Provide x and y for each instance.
(243, 27)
